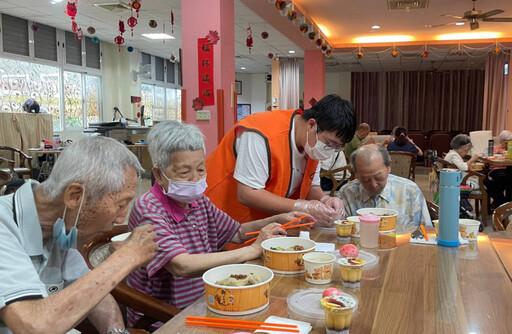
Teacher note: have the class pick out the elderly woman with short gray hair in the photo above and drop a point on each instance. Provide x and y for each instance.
(461, 146)
(499, 184)
(191, 230)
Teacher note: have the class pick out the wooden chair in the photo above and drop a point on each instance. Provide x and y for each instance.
(154, 309)
(501, 216)
(479, 195)
(440, 142)
(17, 161)
(403, 164)
(347, 175)
(433, 210)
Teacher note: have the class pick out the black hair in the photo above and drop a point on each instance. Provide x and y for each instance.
(332, 113)
(400, 136)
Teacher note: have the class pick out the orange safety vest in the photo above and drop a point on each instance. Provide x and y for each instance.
(275, 127)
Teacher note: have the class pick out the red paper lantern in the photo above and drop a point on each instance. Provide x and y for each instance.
(132, 22)
(121, 27)
(304, 28)
(328, 53)
(74, 26)
(424, 54)
(71, 10)
(280, 4)
(136, 6)
(248, 41)
(119, 40)
(394, 53)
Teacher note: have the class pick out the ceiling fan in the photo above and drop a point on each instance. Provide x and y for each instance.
(473, 16)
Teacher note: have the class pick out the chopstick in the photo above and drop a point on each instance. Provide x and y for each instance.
(221, 320)
(249, 241)
(425, 235)
(284, 225)
(232, 325)
(300, 225)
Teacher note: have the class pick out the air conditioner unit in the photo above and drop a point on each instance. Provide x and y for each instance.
(407, 4)
(117, 6)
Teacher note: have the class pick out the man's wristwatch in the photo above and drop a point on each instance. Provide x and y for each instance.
(118, 330)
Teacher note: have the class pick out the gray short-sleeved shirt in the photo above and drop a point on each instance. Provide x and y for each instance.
(29, 268)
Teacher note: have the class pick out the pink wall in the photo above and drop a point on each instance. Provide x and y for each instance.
(314, 76)
(198, 18)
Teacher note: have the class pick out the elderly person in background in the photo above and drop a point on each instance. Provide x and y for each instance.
(461, 146)
(191, 230)
(402, 143)
(376, 188)
(359, 139)
(500, 177)
(41, 225)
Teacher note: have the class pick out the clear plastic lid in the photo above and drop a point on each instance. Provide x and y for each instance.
(306, 303)
(370, 258)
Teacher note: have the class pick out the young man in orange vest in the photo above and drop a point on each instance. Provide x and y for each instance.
(268, 162)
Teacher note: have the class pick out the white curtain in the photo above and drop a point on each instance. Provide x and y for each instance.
(289, 83)
(495, 93)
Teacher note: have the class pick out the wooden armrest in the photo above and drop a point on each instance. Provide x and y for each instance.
(9, 162)
(150, 306)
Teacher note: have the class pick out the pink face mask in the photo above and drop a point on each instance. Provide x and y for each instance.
(185, 191)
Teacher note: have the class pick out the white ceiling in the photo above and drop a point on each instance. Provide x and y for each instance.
(106, 25)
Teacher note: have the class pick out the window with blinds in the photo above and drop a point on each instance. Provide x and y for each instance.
(92, 53)
(170, 72)
(15, 35)
(73, 49)
(159, 69)
(45, 42)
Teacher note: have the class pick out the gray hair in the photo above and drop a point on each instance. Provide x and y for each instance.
(99, 163)
(363, 127)
(168, 137)
(368, 153)
(505, 135)
(460, 140)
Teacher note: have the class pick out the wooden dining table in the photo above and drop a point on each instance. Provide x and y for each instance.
(419, 289)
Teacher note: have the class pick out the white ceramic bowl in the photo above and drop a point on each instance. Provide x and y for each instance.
(121, 237)
(237, 300)
(286, 262)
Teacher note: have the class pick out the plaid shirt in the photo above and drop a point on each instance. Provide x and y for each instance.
(400, 194)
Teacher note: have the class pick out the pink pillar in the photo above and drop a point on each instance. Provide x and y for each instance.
(314, 76)
(198, 17)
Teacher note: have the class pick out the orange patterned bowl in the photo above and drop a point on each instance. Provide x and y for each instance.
(237, 300)
(387, 217)
(282, 261)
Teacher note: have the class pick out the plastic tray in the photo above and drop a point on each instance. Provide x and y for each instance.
(306, 303)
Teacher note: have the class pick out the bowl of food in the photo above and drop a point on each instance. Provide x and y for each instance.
(355, 227)
(284, 255)
(237, 289)
(468, 229)
(387, 217)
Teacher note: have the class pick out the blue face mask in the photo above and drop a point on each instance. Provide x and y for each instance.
(67, 241)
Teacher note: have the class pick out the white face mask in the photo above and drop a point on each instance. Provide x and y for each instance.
(185, 191)
(320, 151)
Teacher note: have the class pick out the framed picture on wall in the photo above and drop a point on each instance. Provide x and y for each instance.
(238, 87)
(243, 110)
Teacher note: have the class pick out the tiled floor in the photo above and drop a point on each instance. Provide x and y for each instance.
(422, 180)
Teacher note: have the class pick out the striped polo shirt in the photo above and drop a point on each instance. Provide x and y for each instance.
(199, 230)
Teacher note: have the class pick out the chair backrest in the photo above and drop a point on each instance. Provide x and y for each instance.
(18, 161)
(338, 176)
(440, 142)
(419, 139)
(433, 210)
(501, 216)
(403, 164)
(480, 141)
(153, 309)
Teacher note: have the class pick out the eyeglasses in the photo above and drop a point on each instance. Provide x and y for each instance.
(336, 148)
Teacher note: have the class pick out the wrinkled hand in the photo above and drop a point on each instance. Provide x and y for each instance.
(325, 216)
(336, 204)
(371, 141)
(141, 244)
(272, 230)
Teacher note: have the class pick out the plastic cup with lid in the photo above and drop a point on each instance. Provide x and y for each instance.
(369, 230)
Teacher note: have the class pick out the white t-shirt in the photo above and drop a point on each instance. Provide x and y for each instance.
(251, 166)
(336, 160)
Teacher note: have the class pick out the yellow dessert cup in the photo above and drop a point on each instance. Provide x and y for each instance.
(344, 229)
(338, 313)
(351, 271)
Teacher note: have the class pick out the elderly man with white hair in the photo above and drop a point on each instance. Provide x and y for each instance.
(376, 188)
(45, 285)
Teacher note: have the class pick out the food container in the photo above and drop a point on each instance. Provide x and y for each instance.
(121, 237)
(338, 313)
(319, 267)
(468, 229)
(343, 229)
(387, 240)
(435, 222)
(288, 261)
(371, 268)
(237, 300)
(387, 217)
(351, 271)
(369, 225)
(355, 227)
